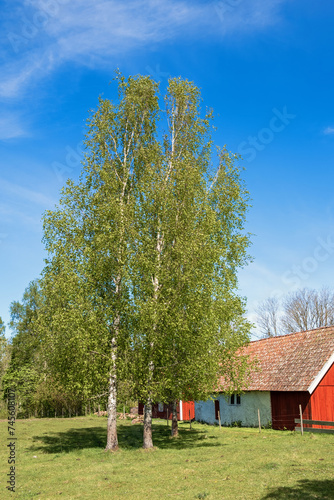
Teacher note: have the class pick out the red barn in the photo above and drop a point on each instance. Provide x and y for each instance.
(297, 369)
(292, 370)
(185, 410)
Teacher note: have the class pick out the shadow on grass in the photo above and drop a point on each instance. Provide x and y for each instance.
(305, 490)
(129, 437)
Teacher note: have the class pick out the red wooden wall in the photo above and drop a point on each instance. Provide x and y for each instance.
(188, 409)
(167, 410)
(322, 399)
(285, 408)
(317, 406)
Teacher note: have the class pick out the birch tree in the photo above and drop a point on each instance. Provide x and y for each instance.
(144, 252)
(191, 245)
(88, 236)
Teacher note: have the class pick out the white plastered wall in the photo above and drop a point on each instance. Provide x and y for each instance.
(246, 412)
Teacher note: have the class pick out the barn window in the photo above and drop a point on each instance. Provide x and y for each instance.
(217, 408)
(235, 399)
(160, 407)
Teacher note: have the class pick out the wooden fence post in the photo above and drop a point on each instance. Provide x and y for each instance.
(189, 419)
(219, 420)
(259, 418)
(301, 419)
(167, 416)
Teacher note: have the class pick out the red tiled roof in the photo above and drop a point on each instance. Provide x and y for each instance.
(290, 362)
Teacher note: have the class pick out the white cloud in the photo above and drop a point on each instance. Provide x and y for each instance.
(11, 218)
(329, 131)
(22, 193)
(10, 127)
(15, 79)
(105, 28)
(247, 15)
(93, 33)
(17, 76)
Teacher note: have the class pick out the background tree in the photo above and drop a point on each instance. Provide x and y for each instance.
(24, 368)
(306, 309)
(268, 317)
(4, 348)
(4, 361)
(303, 309)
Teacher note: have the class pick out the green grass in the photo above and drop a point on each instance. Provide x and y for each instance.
(65, 458)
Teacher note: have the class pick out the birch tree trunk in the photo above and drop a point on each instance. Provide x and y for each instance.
(112, 440)
(175, 426)
(147, 437)
(148, 441)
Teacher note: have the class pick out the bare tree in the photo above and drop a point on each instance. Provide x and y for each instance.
(301, 310)
(324, 307)
(306, 309)
(268, 317)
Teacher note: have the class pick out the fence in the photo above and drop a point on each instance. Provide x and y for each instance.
(304, 422)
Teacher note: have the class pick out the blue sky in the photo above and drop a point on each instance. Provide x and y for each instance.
(266, 68)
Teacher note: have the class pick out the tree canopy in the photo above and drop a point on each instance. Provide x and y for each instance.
(139, 291)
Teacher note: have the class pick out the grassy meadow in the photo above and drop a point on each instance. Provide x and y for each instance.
(65, 458)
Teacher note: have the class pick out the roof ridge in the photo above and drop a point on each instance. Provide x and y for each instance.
(293, 333)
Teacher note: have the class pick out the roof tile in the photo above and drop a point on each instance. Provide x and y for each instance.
(290, 362)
